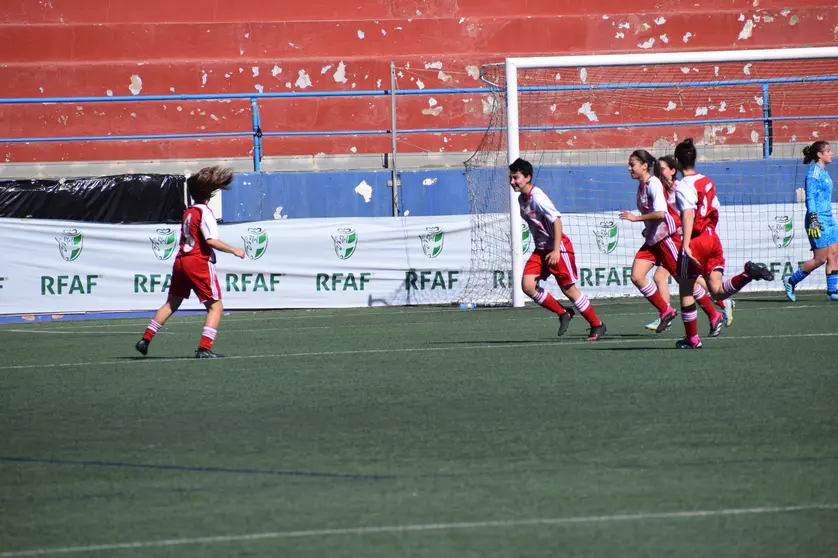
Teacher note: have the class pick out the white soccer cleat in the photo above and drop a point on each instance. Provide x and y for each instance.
(653, 326)
(730, 304)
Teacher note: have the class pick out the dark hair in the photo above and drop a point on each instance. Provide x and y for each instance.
(671, 163)
(645, 157)
(522, 166)
(685, 155)
(812, 152)
(203, 184)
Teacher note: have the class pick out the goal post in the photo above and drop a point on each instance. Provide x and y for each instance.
(584, 114)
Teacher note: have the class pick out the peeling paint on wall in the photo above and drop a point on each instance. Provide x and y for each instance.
(303, 80)
(340, 73)
(586, 110)
(747, 30)
(136, 85)
(364, 190)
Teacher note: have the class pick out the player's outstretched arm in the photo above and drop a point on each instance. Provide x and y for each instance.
(222, 246)
(628, 215)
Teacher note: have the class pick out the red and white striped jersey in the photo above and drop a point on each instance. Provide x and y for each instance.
(198, 226)
(651, 198)
(697, 192)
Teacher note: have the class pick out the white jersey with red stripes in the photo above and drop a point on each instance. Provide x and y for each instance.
(652, 198)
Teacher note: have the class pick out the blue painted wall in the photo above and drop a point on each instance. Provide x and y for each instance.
(256, 196)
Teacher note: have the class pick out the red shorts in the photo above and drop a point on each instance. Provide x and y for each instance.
(195, 274)
(663, 254)
(708, 254)
(565, 272)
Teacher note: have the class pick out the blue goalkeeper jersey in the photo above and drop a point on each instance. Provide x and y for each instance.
(818, 192)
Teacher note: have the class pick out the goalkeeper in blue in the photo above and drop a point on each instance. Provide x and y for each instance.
(820, 224)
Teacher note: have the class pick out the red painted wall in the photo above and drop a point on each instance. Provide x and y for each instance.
(119, 47)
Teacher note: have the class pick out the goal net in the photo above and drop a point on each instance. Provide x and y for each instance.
(577, 119)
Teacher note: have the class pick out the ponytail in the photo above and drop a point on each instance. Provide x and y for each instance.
(812, 152)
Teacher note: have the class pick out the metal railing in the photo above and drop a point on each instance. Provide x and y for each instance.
(257, 132)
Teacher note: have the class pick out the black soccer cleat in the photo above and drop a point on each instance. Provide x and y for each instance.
(716, 325)
(688, 344)
(597, 332)
(206, 353)
(666, 320)
(142, 346)
(564, 320)
(758, 272)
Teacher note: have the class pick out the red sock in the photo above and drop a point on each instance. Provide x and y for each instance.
(547, 301)
(151, 330)
(703, 299)
(207, 337)
(587, 310)
(689, 315)
(650, 291)
(737, 283)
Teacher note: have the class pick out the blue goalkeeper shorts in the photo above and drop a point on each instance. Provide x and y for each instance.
(829, 233)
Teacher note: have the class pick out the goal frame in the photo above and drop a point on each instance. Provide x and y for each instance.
(512, 65)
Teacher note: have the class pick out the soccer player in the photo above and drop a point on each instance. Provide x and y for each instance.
(820, 224)
(701, 252)
(666, 173)
(194, 267)
(656, 202)
(553, 253)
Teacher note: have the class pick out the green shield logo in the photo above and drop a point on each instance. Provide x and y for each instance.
(526, 238)
(70, 244)
(607, 235)
(782, 231)
(255, 243)
(345, 243)
(432, 242)
(164, 244)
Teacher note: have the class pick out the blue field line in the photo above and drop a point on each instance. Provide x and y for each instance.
(59, 317)
(195, 469)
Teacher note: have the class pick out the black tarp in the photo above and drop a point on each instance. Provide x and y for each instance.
(127, 198)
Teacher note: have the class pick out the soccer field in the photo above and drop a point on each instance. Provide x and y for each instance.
(423, 432)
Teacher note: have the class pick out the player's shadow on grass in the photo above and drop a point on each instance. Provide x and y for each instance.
(140, 357)
(596, 347)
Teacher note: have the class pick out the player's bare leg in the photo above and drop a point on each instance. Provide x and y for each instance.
(661, 279)
(639, 270)
(717, 319)
(724, 306)
(584, 306)
(215, 309)
(160, 317)
(530, 286)
(689, 313)
(721, 289)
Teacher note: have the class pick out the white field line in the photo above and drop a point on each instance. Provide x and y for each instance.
(421, 527)
(80, 331)
(545, 316)
(552, 345)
